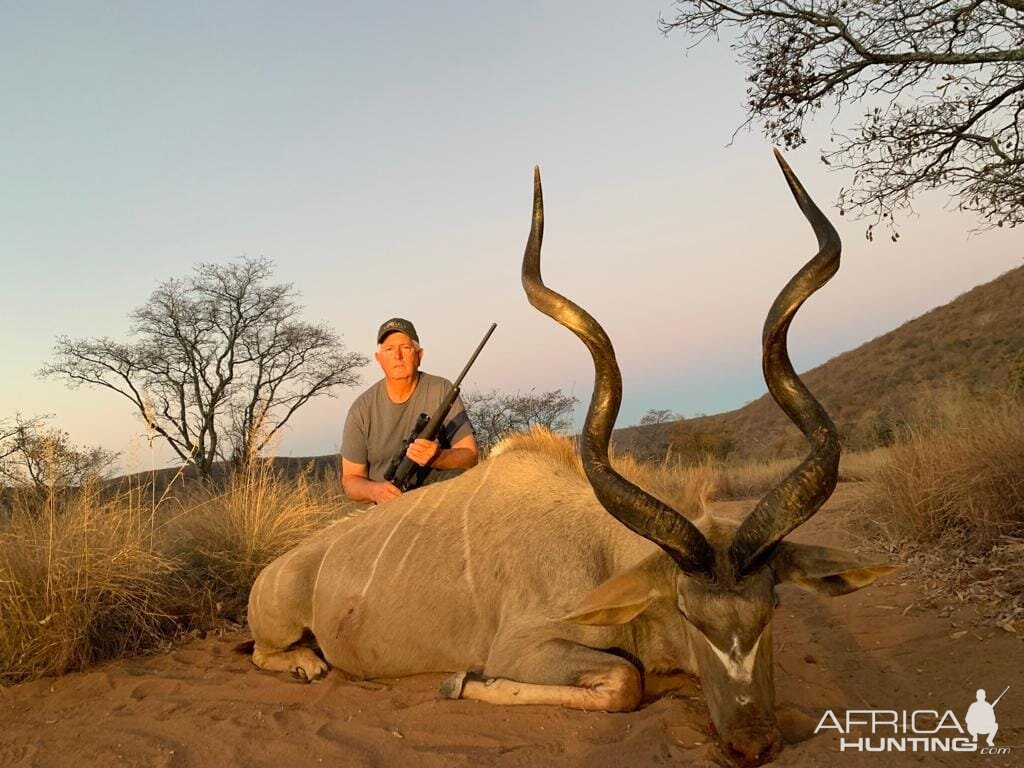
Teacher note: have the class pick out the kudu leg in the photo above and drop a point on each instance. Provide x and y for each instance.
(570, 675)
(302, 663)
(277, 622)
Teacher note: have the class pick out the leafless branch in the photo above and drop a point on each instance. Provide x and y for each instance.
(940, 85)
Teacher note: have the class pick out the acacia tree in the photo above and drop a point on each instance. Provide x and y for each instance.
(943, 80)
(655, 440)
(658, 416)
(495, 414)
(220, 363)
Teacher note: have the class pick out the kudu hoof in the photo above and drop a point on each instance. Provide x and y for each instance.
(452, 687)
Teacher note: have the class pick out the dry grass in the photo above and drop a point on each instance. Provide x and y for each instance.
(224, 540)
(950, 500)
(750, 479)
(685, 487)
(79, 581)
(84, 577)
(87, 576)
(956, 476)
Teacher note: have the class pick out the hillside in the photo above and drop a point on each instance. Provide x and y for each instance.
(319, 468)
(971, 342)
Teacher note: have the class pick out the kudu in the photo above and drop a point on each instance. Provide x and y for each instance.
(472, 574)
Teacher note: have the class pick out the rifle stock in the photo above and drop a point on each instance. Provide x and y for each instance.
(401, 466)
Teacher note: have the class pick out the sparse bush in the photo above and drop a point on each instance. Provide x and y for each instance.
(1017, 377)
(695, 442)
(496, 414)
(957, 475)
(660, 424)
(658, 416)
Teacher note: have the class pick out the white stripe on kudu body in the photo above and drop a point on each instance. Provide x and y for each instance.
(466, 550)
(376, 561)
(423, 527)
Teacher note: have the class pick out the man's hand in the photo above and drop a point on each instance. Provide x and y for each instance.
(423, 451)
(383, 491)
(359, 487)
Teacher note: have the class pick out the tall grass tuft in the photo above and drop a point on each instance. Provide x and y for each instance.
(679, 482)
(91, 574)
(79, 581)
(225, 540)
(955, 477)
(685, 487)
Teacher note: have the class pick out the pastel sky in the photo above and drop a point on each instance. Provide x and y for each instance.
(382, 155)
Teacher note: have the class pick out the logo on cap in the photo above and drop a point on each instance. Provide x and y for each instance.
(397, 325)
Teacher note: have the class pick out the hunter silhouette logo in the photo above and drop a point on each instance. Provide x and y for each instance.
(981, 717)
(919, 730)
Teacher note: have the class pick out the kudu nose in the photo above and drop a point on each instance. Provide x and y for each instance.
(753, 746)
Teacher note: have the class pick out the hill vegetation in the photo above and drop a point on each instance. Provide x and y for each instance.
(975, 343)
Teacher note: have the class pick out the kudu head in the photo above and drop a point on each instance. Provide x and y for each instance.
(724, 575)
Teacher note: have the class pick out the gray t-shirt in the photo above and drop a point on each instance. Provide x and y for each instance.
(376, 427)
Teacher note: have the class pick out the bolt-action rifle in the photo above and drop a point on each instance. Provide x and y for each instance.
(401, 471)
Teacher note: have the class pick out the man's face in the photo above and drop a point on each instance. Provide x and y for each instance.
(398, 356)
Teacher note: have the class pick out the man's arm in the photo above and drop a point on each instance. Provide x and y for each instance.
(356, 482)
(462, 455)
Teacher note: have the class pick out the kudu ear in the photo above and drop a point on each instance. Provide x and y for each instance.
(825, 570)
(624, 596)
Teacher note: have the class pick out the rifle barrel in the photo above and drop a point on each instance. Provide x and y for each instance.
(472, 360)
(1001, 695)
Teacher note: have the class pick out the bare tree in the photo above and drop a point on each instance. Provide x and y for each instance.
(942, 80)
(658, 416)
(41, 457)
(220, 364)
(495, 414)
(8, 431)
(655, 438)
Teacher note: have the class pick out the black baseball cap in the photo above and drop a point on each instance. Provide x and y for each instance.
(399, 325)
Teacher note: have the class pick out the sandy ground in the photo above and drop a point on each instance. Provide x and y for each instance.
(201, 704)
